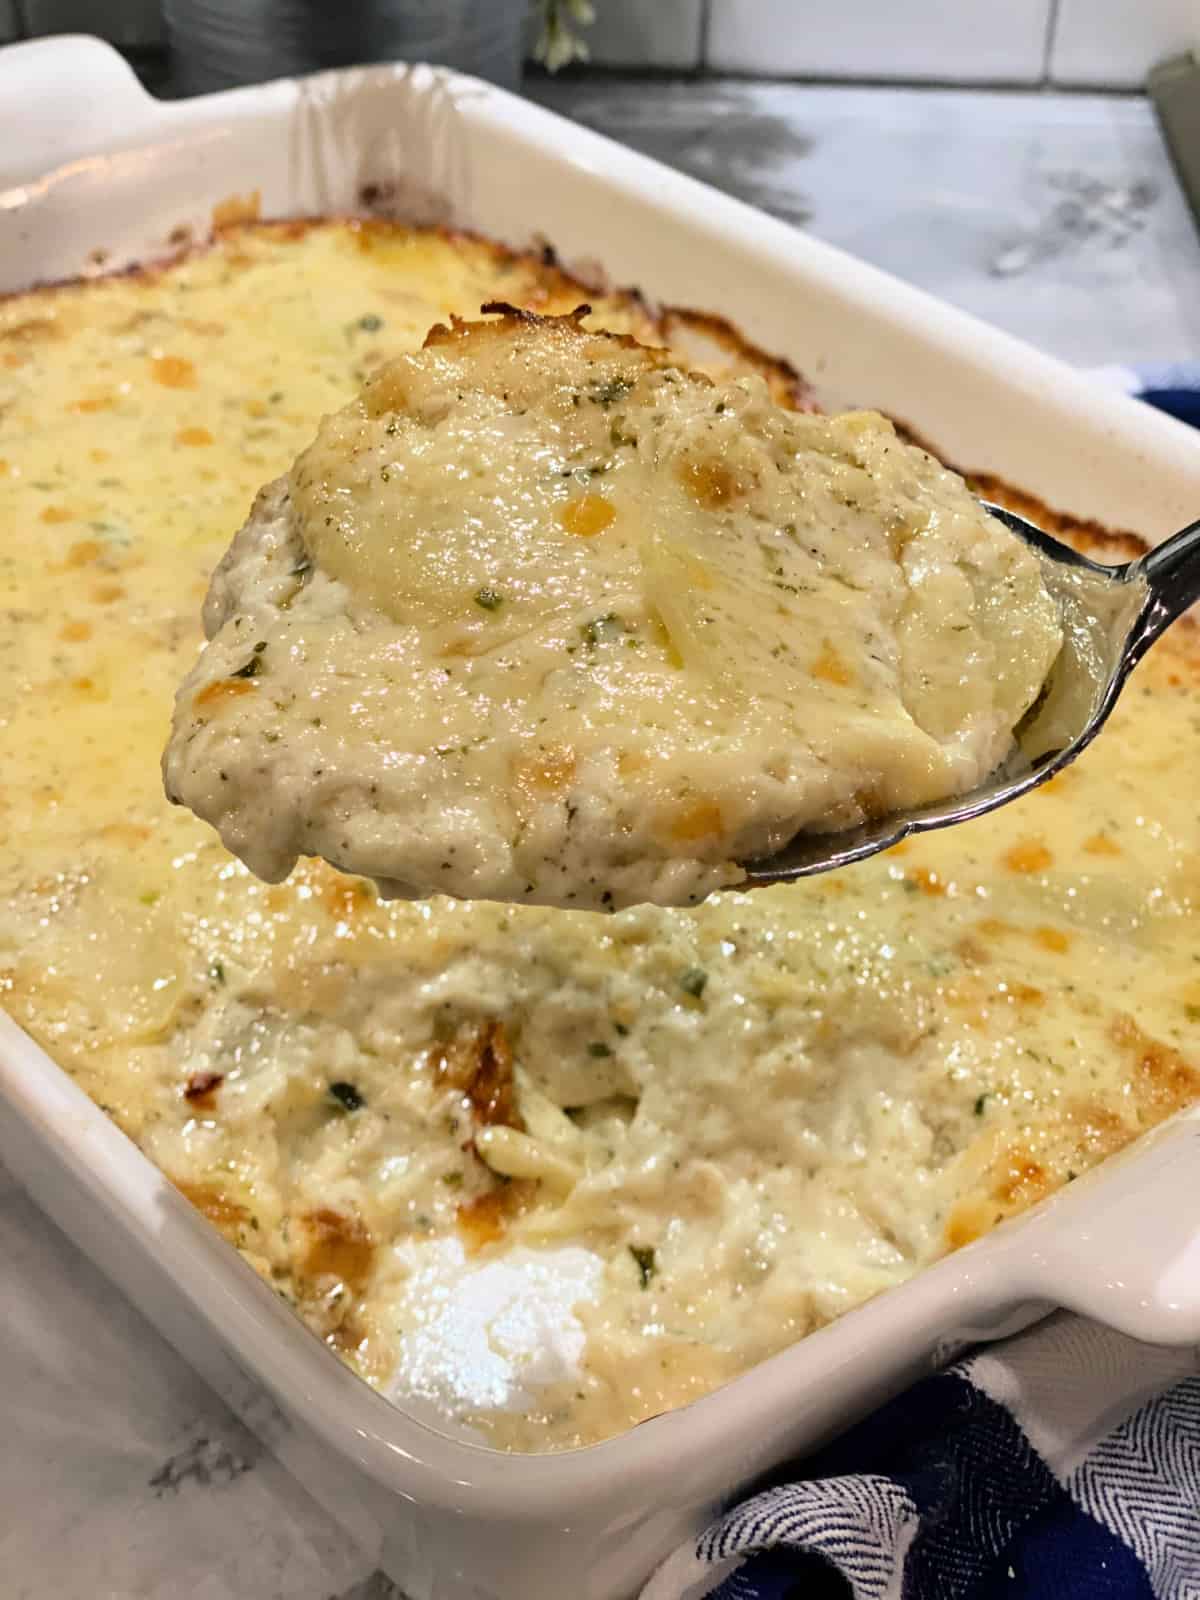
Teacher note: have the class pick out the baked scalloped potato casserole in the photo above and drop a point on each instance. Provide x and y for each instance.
(681, 1138)
(543, 617)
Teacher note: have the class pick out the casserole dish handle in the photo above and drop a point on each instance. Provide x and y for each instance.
(1122, 1245)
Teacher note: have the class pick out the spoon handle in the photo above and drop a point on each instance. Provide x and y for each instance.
(1172, 572)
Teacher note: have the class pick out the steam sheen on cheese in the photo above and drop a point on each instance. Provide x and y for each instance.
(541, 616)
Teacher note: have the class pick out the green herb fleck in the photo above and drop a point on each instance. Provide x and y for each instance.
(254, 666)
(980, 1103)
(1192, 1012)
(347, 1096)
(599, 1049)
(610, 391)
(693, 981)
(370, 323)
(600, 628)
(489, 599)
(643, 1255)
(452, 1180)
(217, 972)
(621, 1028)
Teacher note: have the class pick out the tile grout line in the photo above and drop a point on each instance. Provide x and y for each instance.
(1052, 17)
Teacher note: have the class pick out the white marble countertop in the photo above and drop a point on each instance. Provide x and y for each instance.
(1057, 217)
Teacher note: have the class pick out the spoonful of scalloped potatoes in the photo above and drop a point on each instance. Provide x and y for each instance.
(542, 617)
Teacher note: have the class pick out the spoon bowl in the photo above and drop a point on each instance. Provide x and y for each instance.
(1111, 615)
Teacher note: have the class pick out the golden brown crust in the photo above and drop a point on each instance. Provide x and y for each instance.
(1085, 535)
(479, 1062)
(1089, 537)
(672, 324)
(504, 321)
(788, 386)
(1016, 1172)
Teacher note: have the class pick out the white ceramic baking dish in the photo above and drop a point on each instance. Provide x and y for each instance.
(95, 174)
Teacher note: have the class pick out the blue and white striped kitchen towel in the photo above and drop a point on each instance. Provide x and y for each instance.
(1063, 1464)
(1172, 386)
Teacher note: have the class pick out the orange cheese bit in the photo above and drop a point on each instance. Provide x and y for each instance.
(1099, 844)
(830, 667)
(344, 898)
(549, 771)
(969, 1221)
(75, 632)
(927, 881)
(224, 1212)
(1026, 994)
(222, 689)
(58, 514)
(88, 689)
(1053, 939)
(701, 820)
(173, 372)
(1023, 1181)
(587, 515)
(709, 481)
(194, 436)
(1030, 855)
(485, 1220)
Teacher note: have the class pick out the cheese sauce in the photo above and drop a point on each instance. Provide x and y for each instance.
(543, 617)
(694, 1135)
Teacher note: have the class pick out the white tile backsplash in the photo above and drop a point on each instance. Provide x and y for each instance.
(963, 41)
(647, 33)
(1116, 42)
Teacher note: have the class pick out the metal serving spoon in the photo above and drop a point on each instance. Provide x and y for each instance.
(1111, 616)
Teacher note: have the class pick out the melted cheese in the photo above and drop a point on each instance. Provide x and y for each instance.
(543, 617)
(721, 1127)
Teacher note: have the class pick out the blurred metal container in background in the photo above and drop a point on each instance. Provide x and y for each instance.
(214, 44)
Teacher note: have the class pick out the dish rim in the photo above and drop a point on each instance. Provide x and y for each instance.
(1015, 1272)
